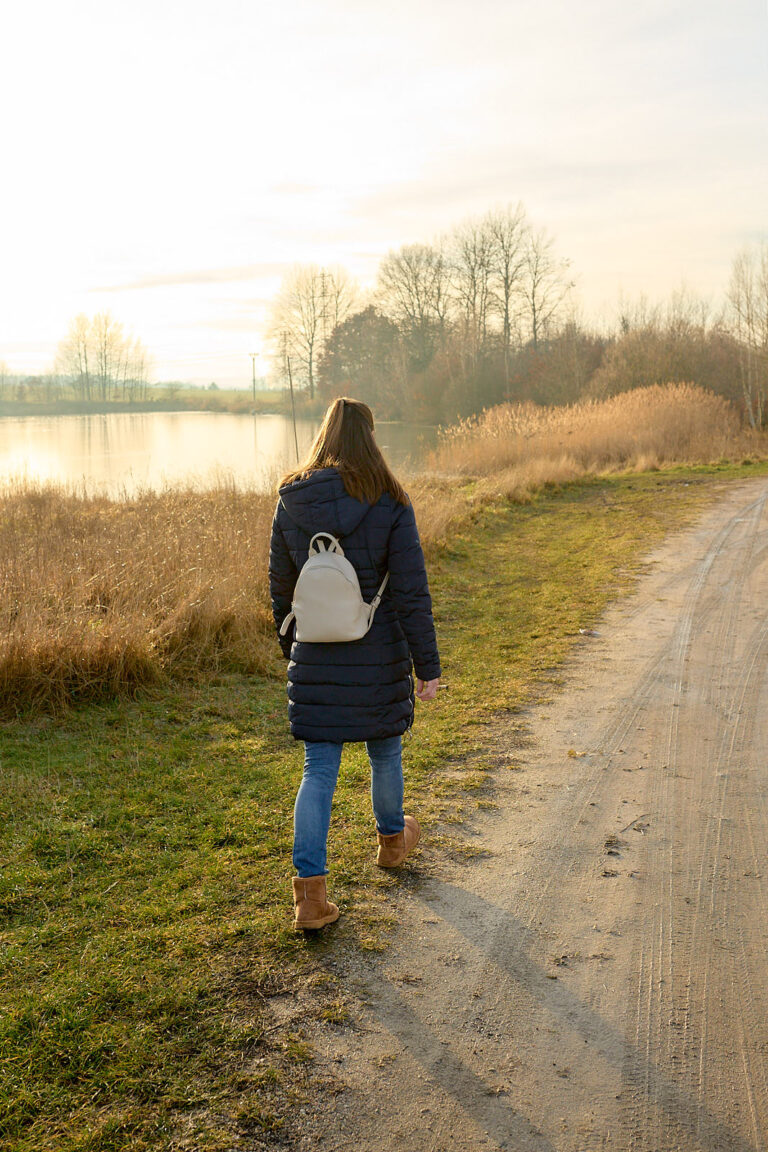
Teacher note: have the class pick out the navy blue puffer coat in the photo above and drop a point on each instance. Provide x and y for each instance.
(361, 689)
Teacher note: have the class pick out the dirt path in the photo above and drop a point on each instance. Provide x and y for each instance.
(599, 980)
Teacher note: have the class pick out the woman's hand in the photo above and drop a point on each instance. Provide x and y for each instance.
(427, 689)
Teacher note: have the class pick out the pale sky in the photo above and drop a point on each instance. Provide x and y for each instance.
(168, 161)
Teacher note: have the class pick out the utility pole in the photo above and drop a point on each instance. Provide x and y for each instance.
(323, 308)
(253, 356)
(293, 405)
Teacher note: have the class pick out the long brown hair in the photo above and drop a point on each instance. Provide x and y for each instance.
(346, 442)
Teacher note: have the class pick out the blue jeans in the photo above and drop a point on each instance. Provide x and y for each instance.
(312, 812)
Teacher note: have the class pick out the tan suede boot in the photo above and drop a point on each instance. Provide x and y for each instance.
(394, 849)
(311, 907)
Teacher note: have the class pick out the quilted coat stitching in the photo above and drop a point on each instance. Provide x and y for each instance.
(361, 690)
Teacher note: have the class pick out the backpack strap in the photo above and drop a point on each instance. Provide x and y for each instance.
(287, 623)
(377, 598)
(320, 546)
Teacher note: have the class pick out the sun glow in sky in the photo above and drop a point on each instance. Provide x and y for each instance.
(169, 161)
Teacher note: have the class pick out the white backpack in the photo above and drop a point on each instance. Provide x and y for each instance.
(328, 605)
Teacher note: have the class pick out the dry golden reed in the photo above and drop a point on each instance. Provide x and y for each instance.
(519, 448)
(99, 596)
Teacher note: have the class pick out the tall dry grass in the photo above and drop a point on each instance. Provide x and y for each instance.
(518, 448)
(101, 596)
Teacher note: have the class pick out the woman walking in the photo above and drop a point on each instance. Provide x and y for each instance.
(359, 690)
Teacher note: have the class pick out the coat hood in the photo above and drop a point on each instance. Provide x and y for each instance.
(321, 503)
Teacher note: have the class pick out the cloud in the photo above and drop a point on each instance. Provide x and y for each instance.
(292, 188)
(246, 318)
(199, 276)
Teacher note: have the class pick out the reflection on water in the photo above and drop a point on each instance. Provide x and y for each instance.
(121, 452)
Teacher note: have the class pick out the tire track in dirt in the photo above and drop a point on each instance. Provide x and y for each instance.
(741, 852)
(599, 981)
(674, 947)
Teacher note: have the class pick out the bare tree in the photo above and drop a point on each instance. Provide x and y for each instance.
(338, 296)
(509, 232)
(110, 351)
(134, 371)
(311, 302)
(471, 250)
(413, 290)
(748, 316)
(544, 284)
(98, 358)
(73, 358)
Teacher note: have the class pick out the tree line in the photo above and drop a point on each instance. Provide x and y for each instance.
(486, 315)
(95, 362)
(483, 315)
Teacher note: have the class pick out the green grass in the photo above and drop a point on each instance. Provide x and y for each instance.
(145, 886)
(168, 399)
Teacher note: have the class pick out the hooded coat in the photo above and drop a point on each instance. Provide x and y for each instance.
(360, 689)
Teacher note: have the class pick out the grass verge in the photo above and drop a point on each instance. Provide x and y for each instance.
(167, 399)
(145, 894)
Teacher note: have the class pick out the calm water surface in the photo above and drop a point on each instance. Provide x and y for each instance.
(121, 452)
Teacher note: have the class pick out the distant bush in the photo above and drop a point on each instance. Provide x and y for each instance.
(520, 447)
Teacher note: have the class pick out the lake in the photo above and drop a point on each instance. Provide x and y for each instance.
(118, 453)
